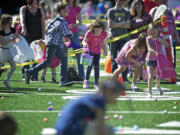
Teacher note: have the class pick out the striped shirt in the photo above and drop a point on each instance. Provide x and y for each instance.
(56, 30)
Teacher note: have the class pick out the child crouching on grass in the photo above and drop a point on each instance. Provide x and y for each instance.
(78, 114)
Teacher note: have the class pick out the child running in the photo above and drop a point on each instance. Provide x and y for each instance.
(7, 37)
(95, 39)
(156, 60)
(78, 113)
(132, 54)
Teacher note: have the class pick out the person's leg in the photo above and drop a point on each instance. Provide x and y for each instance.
(50, 53)
(96, 68)
(118, 71)
(150, 71)
(88, 73)
(113, 52)
(121, 43)
(61, 54)
(1, 70)
(35, 76)
(53, 72)
(23, 70)
(135, 76)
(159, 90)
(43, 75)
(10, 73)
(75, 40)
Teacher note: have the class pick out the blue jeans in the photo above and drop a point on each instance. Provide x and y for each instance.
(95, 63)
(75, 40)
(61, 54)
(115, 47)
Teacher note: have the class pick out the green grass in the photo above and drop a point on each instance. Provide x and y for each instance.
(31, 123)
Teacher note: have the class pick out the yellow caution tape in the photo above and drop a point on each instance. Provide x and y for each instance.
(90, 21)
(23, 64)
(130, 33)
(177, 22)
(177, 47)
(177, 28)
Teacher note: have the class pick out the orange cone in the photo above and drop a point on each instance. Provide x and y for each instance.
(120, 79)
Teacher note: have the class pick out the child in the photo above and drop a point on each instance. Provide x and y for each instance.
(7, 37)
(156, 60)
(56, 30)
(133, 52)
(95, 39)
(78, 113)
(8, 125)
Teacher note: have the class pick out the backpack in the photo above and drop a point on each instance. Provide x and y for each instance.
(72, 74)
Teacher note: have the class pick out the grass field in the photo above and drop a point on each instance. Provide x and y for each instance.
(28, 104)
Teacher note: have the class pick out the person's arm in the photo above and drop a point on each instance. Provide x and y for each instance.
(129, 54)
(152, 12)
(43, 24)
(163, 42)
(5, 42)
(123, 24)
(84, 42)
(22, 20)
(104, 44)
(100, 122)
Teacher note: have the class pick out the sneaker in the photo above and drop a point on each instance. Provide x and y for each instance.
(86, 84)
(134, 87)
(6, 83)
(159, 91)
(43, 79)
(53, 80)
(149, 95)
(27, 76)
(96, 87)
(68, 83)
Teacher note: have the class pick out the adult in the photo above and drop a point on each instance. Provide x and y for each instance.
(170, 20)
(72, 19)
(139, 17)
(118, 23)
(100, 9)
(32, 20)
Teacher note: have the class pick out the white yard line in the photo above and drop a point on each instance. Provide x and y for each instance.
(111, 112)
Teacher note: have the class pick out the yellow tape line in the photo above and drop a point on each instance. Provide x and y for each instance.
(177, 28)
(177, 22)
(130, 33)
(90, 21)
(177, 47)
(23, 64)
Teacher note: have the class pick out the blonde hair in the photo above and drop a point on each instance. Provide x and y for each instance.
(5, 19)
(151, 27)
(141, 41)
